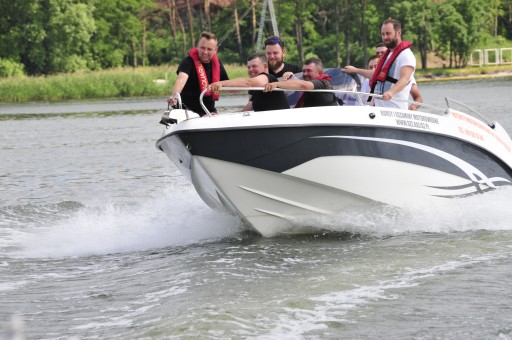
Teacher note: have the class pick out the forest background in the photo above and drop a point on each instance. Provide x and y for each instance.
(116, 44)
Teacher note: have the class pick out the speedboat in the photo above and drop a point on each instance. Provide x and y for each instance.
(278, 169)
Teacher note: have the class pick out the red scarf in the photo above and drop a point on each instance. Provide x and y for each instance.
(381, 72)
(300, 102)
(201, 73)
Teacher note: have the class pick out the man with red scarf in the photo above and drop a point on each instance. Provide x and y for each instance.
(198, 70)
(392, 77)
(314, 79)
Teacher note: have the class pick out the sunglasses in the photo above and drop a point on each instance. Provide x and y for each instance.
(274, 41)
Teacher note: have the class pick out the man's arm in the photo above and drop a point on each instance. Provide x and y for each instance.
(416, 96)
(405, 77)
(362, 72)
(258, 81)
(291, 84)
(178, 87)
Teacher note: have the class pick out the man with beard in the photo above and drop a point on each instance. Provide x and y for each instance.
(257, 68)
(380, 49)
(392, 77)
(275, 52)
(314, 79)
(200, 68)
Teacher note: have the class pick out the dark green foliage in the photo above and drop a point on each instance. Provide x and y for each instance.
(56, 36)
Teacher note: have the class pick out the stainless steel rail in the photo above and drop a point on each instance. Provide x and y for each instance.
(360, 96)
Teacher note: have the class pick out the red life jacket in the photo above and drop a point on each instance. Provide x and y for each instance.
(381, 72)
(300, 102)
(201, 73)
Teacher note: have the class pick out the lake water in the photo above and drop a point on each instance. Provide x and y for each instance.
(101, 237)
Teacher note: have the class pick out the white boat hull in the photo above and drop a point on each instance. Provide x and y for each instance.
(276, 203)
(279, 172)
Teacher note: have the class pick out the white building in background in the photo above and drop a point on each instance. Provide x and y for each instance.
(491, 56)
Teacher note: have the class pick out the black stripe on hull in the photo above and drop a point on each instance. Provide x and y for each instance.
(281, 148)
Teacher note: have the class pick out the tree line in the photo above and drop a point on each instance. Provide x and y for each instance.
(41, 37)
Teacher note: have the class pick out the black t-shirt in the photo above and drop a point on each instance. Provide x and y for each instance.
(265, 101)
(287, 68)
(191, 90)
(320, 98)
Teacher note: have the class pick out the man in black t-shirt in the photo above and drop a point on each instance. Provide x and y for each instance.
(200, 68)
(275, 52)
(314, 79)
(257, 68)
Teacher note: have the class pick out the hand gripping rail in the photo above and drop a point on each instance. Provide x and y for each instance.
(175, 115)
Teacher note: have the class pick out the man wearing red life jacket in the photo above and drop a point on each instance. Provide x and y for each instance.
(392, 77)
(380, 49)
(198, 70)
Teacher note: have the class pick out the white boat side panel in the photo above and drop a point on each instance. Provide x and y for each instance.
(388, 181)
(455, 124)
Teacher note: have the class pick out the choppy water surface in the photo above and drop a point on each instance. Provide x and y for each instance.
(101, 237)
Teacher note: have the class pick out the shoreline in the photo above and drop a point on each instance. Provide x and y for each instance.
(426, 78)
(433, 78)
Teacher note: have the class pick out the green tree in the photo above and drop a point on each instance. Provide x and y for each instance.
(461, 26)
(120, 31)
(504, 20)
(47, 36)
(22, 33)
(477, 13)
(417, 18)
(9, 68)
(69, 28)
(452, 30)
